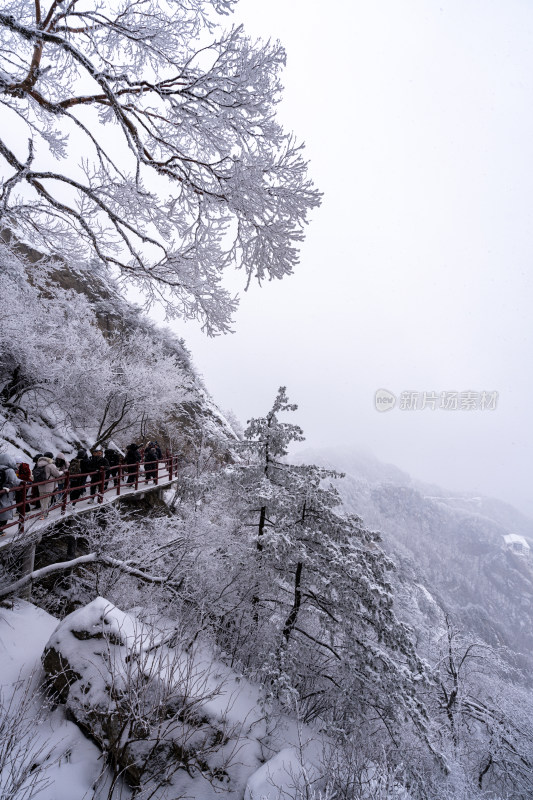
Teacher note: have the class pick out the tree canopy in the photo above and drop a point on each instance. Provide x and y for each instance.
(140, 134)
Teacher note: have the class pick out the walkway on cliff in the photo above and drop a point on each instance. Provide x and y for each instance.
(30, 525)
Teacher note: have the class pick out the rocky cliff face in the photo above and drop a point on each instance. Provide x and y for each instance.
(194, 415)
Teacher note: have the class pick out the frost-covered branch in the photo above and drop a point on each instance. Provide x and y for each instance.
(66, 566)
(186, 171)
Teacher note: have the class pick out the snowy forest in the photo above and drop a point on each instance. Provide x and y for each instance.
(268, 622)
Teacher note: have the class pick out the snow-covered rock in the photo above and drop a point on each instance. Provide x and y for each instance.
(166, 715)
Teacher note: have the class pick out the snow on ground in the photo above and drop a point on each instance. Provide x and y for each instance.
(97, 643)
(290, 775)
(32, 436)
(274, 759)
(69, 763)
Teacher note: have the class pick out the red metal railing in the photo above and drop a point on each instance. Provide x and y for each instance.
(102, 482)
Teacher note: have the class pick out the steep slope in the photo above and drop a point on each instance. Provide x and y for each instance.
(77, 302)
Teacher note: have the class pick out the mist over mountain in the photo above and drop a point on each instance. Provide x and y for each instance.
(453, 544)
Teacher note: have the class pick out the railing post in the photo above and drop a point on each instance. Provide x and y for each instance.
(22, 516)
(119, 476)
(137, 467)
(66, 487)
(102, 485)
(156, 479)
(169, 465)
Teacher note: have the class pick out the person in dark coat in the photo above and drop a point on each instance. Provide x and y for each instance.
(77, 480)
(85, 462)
(96, 463)
(150, 461)
(34, 493)
(132, 460)
(61, 463)
(113, 458)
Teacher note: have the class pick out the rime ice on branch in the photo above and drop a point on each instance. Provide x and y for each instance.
(185, 171)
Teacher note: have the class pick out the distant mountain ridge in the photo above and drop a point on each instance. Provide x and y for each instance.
(448, 546)
(364, 466)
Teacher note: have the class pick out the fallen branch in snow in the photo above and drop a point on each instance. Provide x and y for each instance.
(90, 558)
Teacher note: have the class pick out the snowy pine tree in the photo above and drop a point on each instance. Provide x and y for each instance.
(322, 588)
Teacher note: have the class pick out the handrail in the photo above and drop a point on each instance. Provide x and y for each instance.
(120, 475)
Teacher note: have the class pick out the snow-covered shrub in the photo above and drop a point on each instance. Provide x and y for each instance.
(25, 756)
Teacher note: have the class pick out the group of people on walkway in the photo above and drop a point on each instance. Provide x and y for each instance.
(46, 478)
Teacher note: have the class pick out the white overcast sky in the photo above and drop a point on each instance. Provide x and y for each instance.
(416, 271)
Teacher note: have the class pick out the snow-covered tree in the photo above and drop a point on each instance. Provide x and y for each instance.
(322, 589)
(26, 758)
(270, 439)
(51, 349)
(487, 719)
(146, 384)
(55, 359)
(142, 135)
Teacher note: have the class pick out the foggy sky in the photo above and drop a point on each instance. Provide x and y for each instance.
(416, 271)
